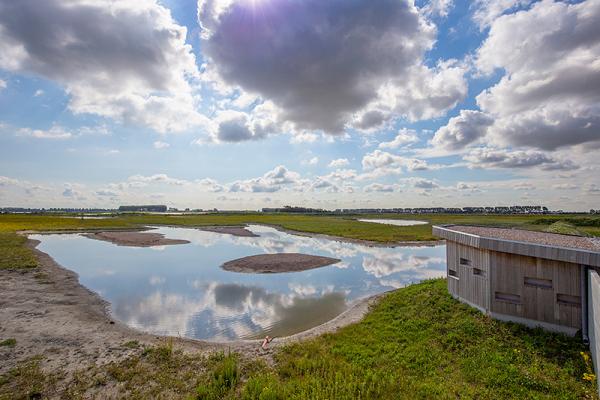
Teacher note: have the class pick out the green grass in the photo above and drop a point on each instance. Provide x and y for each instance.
(11, 342)
(417, 343)
(14, 255)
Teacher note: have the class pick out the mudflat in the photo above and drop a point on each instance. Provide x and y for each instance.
(135, 239)
(279, 262)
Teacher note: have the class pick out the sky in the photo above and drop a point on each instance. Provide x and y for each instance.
(243, 104)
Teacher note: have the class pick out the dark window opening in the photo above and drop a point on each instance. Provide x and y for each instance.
(568, 300)
(477, 271)
(464, 261)
(508, 297)
(453, 273)
(537, 282)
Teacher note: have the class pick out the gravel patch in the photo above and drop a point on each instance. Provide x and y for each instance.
(543, 238)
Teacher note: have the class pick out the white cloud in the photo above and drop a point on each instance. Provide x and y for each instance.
(379, 187)
(54, 133)
(338, 163)
(311, 161)
(142, 180)
(3, 84)
(487, 11)
(271, 181)
(466, 128)
(38, 93)
(422, 183)
(403, 138)
(161, 145)
(549, 96)
(438, 7)
(331, 63)
(126, 60)
(387, 162)
(565, 186)
(502, 158)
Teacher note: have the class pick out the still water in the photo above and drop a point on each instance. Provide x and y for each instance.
(181, 290)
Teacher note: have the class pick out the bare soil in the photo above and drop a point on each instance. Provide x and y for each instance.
(279, 262)
(134, 238)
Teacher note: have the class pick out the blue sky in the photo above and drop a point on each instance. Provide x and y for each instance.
(242, 104)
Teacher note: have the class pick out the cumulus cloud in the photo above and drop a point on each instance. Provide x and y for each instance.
(404, 137)
(339, 162)
(73, 191)
(126, 60)
(422, 183)
(487, 11)
(386, 162)
(501, 158)
(272, 181)
(379, 187)
(3, 84)
(325, 64)
(462, 130)
(438, 7)
(549, 96)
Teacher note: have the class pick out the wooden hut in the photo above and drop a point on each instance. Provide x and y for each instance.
(534, 278)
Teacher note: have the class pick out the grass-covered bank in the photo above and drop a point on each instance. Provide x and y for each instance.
(14, 255)
(417, 343)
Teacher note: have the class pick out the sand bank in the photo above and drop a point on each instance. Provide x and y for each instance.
(279, 262)
(134, 239)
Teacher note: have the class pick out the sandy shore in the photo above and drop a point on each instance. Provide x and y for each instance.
(134, 238)
(50, 314)
(278, 262)
(230, 230)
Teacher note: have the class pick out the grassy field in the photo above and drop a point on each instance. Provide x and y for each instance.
(14, 255)
(417, 343)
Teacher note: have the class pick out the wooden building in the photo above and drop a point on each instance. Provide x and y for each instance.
(534, 278)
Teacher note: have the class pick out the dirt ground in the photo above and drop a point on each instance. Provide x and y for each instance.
(134, 238)
(278, 262)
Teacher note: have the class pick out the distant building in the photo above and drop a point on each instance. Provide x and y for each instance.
(148, 208)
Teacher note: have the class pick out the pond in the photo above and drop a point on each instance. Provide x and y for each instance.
(181, 290)
(397, 222)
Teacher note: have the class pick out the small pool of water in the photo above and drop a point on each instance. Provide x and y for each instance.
(397, 222)
(181, 290)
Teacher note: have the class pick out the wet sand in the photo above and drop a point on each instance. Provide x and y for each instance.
(134, 238)
(230, 230)
(279, 262)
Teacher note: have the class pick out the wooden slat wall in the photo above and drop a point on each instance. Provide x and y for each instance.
(451, 264)
(508, 276)
(471, 287)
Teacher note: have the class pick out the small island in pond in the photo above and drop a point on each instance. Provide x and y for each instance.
(279, 262)
(134, 239)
